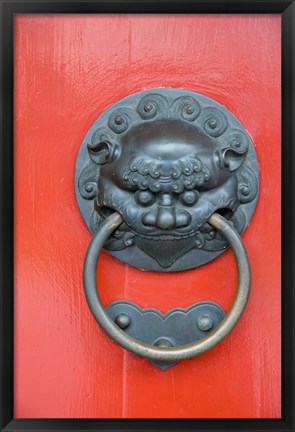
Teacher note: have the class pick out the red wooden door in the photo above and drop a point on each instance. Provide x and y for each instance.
(68, 70)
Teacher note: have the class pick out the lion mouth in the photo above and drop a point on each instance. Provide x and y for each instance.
(156, 235)
(163, 237)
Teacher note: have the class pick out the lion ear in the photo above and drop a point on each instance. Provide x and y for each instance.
(102, 152)
(232, 160)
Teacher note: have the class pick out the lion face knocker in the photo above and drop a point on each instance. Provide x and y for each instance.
(166, 160)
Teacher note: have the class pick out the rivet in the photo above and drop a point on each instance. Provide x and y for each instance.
(119, 120)
(89, 188)
(212, 123)
(122, 320)
(163, 343)
(189, 109)
(148, 107)
(245, 190)
(205, 322)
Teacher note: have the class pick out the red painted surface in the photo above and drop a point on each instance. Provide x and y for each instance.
(68, 69)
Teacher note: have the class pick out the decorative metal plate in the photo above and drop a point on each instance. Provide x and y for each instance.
(175, 328)
(166, 159)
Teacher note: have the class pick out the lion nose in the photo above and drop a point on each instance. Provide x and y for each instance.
(164, 217)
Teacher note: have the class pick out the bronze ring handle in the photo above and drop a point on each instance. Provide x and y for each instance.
(159, 353)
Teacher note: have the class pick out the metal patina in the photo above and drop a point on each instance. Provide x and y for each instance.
(166, 179)
(175, 328)
(166, 160)
(164, 351)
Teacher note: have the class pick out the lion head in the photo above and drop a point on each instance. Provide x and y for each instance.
(166, 162)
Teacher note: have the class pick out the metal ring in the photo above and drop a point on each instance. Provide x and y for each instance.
(159, 353)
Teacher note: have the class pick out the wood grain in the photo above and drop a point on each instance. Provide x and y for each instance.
(68, 70)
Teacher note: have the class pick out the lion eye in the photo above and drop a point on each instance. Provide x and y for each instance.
(145, 198)
(189, 198)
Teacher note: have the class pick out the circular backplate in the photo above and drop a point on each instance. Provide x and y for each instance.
(166, 159)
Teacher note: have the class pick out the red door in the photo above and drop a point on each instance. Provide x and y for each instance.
(68, 70)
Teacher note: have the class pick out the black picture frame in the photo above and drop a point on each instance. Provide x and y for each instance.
(10, 7)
